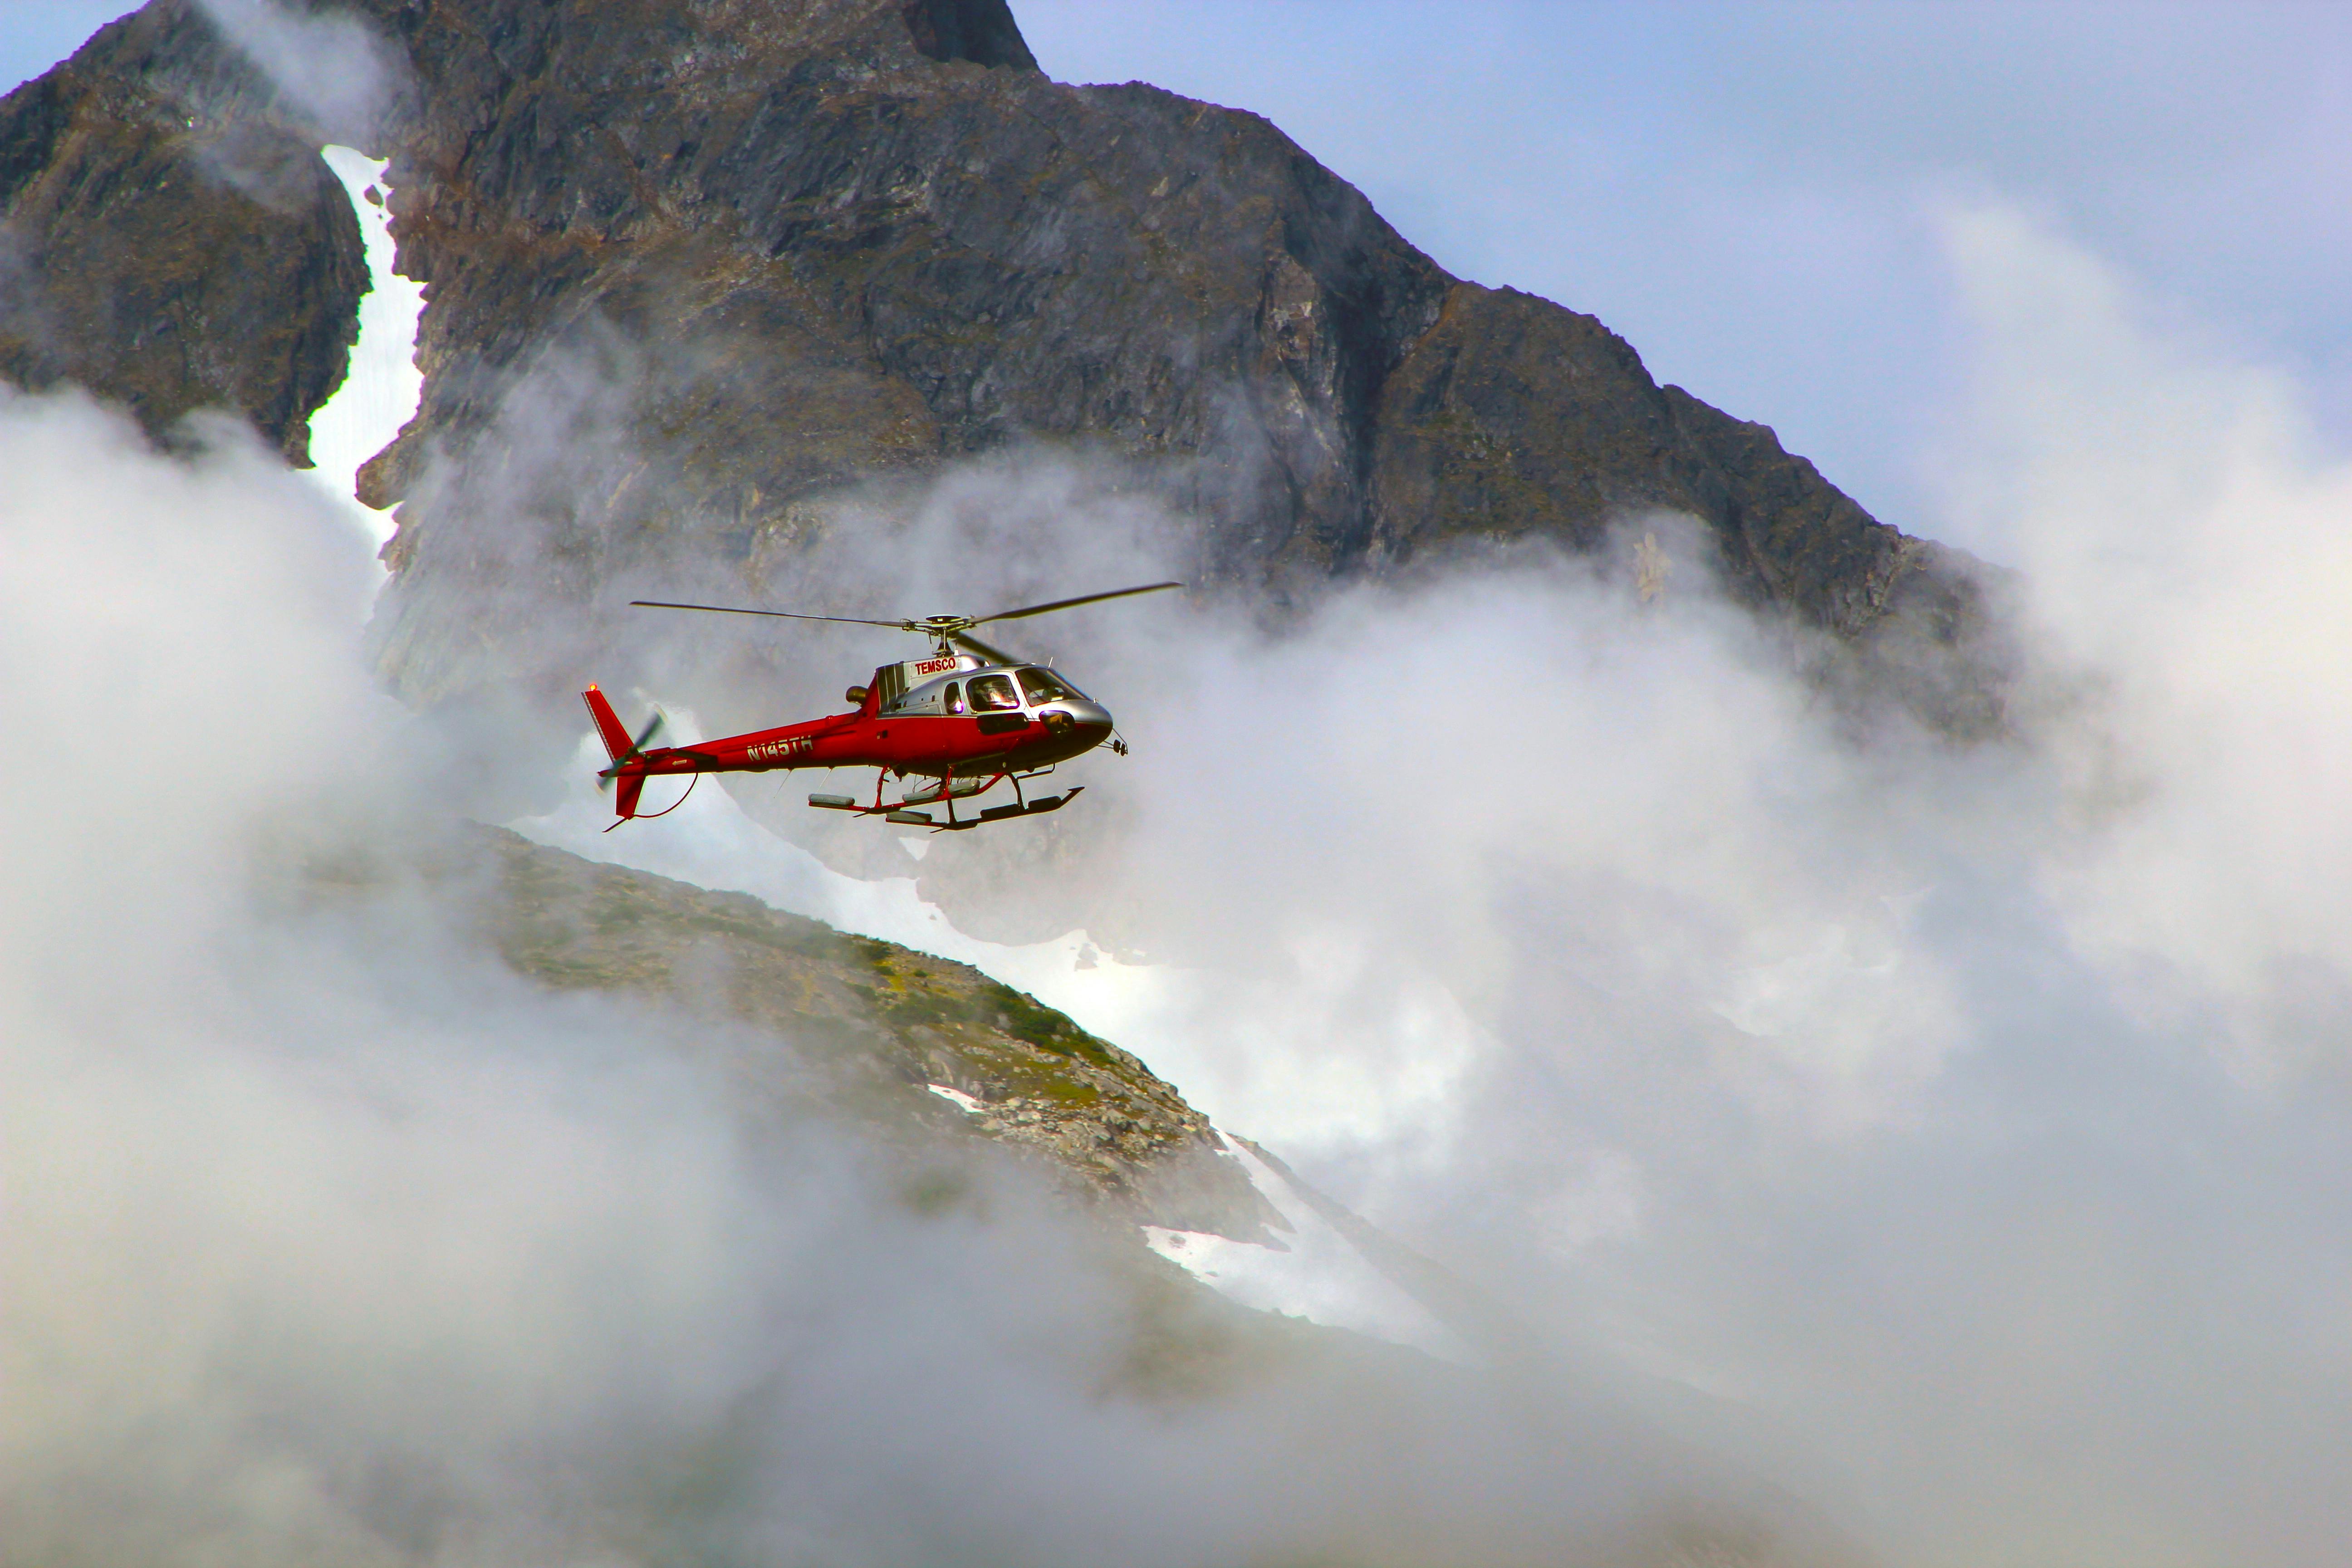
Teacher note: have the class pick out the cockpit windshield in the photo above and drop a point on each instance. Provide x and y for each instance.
(992, 691)
(1045, 686)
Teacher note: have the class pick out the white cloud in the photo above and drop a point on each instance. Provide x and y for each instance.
(328, 1238)
(1974, 1114)
(329, 62)
(2185, 538)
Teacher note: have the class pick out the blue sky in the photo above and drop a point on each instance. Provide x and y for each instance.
(1754, 195)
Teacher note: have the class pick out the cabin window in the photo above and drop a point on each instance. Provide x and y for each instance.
(993, 691)
(952, 700)
(1042, 687)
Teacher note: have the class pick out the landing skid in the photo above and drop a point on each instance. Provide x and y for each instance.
(948, 792)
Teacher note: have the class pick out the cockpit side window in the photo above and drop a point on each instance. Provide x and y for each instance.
(1042, 687)
(951, 700)
(993, 691)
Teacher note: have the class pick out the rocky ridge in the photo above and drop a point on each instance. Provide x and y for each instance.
(799, 1012)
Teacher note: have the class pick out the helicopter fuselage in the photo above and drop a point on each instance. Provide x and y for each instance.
(970, 716)
(972, 721)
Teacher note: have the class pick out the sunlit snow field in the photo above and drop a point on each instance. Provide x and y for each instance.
(380, 391)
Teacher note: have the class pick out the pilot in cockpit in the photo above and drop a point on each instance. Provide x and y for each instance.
(993, 693)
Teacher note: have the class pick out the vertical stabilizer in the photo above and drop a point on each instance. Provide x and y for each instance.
(622, 749)
(617, 743)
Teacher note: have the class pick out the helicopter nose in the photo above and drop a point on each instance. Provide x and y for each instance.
(1085, 720)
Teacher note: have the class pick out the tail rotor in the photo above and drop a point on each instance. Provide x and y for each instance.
(636, 750)
(626, 752)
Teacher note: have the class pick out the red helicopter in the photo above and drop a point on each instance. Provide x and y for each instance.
(968, 718)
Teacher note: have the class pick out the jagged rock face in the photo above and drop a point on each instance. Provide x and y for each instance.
(1456, 454)
(802, 247)
(811, 255)
(165, 241)
(695, 269)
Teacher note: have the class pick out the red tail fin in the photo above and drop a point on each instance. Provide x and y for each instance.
(618, 745)
(608, 725)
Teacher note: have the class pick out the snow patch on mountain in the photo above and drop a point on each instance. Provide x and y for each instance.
(380, 389)
(1318, 1274)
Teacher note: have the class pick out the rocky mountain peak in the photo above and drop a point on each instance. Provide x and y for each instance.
(981, 31)
(699, 272)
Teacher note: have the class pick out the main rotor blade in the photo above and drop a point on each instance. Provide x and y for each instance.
(1069, 603)
(971, 644)
(781, 614)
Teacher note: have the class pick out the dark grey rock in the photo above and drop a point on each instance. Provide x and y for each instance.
(693, 269)
(168, 239)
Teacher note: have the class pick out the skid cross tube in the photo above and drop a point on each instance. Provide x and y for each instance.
(948, 793)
